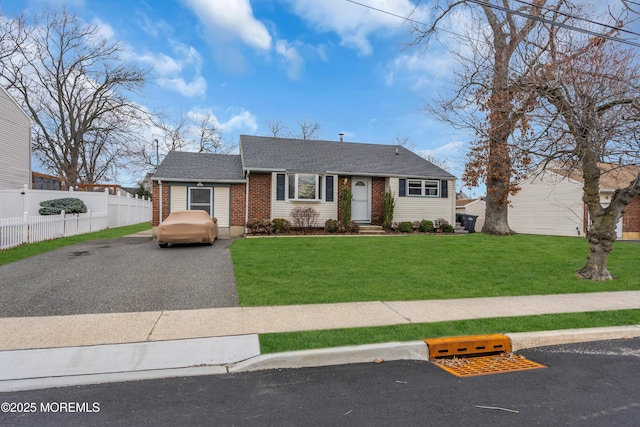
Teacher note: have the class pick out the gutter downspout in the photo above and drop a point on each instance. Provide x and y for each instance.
(160, 196)
(246, 202)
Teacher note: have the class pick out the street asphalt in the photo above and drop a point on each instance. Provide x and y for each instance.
(131, 274)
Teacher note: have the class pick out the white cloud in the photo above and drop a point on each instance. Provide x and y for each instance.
(234, 17)
(354, 23)
(291, 58)
(171, 71)
(244, 121)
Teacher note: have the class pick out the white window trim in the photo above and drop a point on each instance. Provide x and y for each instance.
(423, 187)
(318, 187)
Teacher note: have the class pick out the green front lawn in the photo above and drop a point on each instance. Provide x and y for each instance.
(306, 270)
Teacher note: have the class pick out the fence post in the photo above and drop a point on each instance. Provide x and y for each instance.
(90, 220)
(64, 223)
(25, 228)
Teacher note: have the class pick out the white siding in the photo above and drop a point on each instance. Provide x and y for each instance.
(547, 204)
(221, 204)
(282, 208)
(178, 198)
(15, 144)
(419, 208)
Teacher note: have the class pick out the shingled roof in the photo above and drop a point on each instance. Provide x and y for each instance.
(204, 167)
(260, 153)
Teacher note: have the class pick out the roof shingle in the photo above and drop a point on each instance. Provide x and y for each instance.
(205, 167)
(349, 158)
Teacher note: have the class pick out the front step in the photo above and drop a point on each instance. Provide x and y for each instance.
(371, 229)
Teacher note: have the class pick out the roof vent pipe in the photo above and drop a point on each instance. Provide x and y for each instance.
(397, 153)
(341, 135)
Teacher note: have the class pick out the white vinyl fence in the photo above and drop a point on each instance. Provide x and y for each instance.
(20, 222)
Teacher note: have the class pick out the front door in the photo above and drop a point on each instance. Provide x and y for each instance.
(361, 199)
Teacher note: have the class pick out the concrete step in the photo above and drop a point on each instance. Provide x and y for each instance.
(371, 229)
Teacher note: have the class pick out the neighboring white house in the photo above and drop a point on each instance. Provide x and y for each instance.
(15, 143)
(550, 202)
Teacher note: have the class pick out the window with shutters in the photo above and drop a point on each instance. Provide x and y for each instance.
(423, 187)
(305, 187)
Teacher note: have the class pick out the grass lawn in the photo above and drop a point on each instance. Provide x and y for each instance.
(306, 270)
(26, 251)
(273, 343)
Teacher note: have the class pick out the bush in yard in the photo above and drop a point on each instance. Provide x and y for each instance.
(353, 227)
(345, 201)
(259, 226)
(305, 218)
(68, 205)
(447, 228)
(389, 206)
(426, 226)
(405, 227)
(331, 226)
(440, 224)
(280, 225)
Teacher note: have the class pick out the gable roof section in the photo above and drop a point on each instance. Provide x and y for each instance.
(613, 176)
(261, 153)
(203, 167)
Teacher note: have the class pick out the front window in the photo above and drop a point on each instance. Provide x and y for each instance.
(423, 187)
(200, 199)
(304, 187)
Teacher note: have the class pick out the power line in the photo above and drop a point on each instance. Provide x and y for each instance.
(568, 15)
(514, 12)
(550, 22)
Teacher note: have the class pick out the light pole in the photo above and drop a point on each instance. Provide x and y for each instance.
(157, 154)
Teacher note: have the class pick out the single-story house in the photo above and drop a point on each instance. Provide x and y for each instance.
(272, 176)
(15, 143)
(550, 202)
(474, 207)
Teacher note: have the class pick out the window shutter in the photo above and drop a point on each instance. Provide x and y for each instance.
(329, 189)
(444, 188)
(280, 186)
(402, 191)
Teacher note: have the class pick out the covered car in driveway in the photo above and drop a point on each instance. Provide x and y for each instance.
(194, 226)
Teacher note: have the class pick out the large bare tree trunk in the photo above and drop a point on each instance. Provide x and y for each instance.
(601, 236)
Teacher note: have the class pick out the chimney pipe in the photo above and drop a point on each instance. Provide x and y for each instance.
(341, 134)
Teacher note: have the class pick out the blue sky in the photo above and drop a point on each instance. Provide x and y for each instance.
(333, 62)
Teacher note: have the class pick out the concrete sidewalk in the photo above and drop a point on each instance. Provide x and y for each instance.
(38, 352)
(117, 328)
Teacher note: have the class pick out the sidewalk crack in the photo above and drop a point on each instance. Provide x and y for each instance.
(153, 328)
(396, 312)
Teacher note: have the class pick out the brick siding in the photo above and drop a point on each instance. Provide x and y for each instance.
(156, 205)
(631, 217)
(259, 196)
(238, 198)
(377, 200)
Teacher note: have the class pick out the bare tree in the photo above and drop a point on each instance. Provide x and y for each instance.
(73, 83)
(590, 116)
(209, 137)
(489, 100)
(277, 128)
(308, 129)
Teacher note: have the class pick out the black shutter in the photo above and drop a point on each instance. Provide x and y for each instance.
(444, 188)
(329, 189)
(280, 186)
(402, 191)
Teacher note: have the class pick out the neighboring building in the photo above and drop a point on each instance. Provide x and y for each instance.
(474, 207)
(550, 202)
(272, 176)
(15, 143)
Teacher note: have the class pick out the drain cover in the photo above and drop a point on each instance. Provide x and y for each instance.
(469, 356)
(486, 365)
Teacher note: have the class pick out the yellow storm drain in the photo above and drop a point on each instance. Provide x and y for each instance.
(474, 355)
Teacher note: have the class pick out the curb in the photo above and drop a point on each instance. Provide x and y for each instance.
(47, 368)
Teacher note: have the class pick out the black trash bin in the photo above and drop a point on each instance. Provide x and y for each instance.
(469, 222)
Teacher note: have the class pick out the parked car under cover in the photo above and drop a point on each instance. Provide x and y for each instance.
(187, 227)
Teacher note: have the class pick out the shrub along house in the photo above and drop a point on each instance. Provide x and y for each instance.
(272, 176)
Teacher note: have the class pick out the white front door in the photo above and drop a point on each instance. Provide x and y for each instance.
(361, 199)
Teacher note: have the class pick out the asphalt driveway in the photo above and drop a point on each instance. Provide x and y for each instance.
(123, 275)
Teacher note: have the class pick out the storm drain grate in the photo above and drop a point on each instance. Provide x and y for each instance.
(470, 356)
